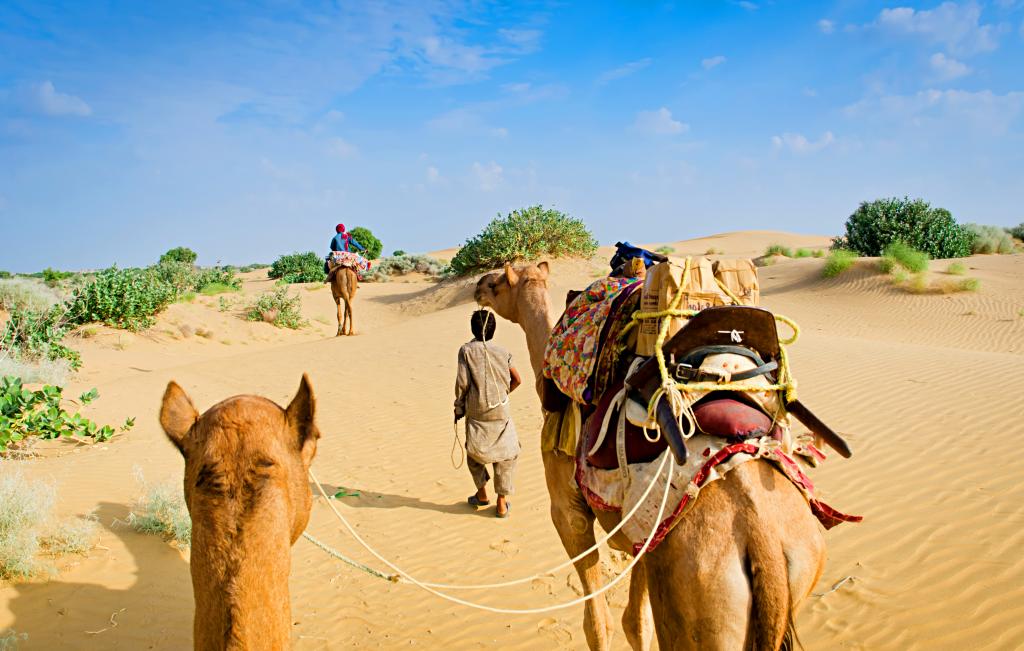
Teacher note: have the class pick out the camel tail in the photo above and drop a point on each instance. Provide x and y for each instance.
(771, 616)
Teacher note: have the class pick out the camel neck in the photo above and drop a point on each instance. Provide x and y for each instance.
(536, 321)
(243, 603)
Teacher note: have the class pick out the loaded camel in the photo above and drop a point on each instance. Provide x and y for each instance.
(732, 572)
(246, 462)
(344, 283)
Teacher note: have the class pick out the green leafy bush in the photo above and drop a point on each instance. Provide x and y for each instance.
(837, 262)
(398, 253)
(25, 414)
(217, 288)
(524, 234)
(779, 249)
(52, 276)
(5, 274)
(305, 267)
(180, 254)
(668, 250)
(1017, 231)
(125, 298)
(365, 237)
(30, 336)
(898, 253)
(879, 223)
(956, 269)
(818, 253)
(802, 253)
(990, 239)
(223, 276)
(277, 307)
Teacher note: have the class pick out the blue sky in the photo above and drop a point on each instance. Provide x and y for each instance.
(247, 130)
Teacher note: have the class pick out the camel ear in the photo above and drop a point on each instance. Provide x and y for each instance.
(177, 416)
(544, 269)
(301, 415)
(511, 274)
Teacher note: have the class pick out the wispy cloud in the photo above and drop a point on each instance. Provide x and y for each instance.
(624, 70)
(799, 144)
(746, 4)
(712, 62)
(981, 111)
(958, 27)
(341, 148)
(466, 121)
(826, 26)
(433, 175)
(48, 100)
(659, 122)
(947, 67)
(488, 175)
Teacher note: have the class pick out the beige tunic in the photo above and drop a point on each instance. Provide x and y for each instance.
(481, 395)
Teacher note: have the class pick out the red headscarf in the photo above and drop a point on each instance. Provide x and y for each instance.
(340, 228)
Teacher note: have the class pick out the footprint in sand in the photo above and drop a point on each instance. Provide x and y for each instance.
(506, 547)
(555, 630)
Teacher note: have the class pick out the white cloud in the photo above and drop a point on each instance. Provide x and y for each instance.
(749, 6)
(810, 92)
(711, 62)
(624, 70)
(488, 176)
(465, 121)
(799, 144)
(982, 111)
(957, 27)
(826, 26)
(947, 67)
(47, 99)
(659, 122)
(433, 174)
(523, 41)
(341, 148)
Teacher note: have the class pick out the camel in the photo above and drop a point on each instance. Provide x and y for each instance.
(730, 575)
(246, 462)
(344, 283)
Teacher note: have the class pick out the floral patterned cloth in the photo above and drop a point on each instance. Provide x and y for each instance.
(571, 353)
(348, 259)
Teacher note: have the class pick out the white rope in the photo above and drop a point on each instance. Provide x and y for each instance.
(512, 611)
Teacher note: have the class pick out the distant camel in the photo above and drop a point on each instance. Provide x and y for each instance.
(732, 572)
(344, 283)
(246, 461)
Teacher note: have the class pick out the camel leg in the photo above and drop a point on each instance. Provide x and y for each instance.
(638, 619)
(341, 331)
(575, 525)
(351, 318)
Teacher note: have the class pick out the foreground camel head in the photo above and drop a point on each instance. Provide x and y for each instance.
(501, 290)
(246, 461)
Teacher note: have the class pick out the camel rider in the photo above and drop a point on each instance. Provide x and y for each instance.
(342, 241)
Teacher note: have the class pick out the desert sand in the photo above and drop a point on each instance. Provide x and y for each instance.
(927, 388)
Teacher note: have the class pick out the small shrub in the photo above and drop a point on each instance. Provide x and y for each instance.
(524, 234)
(124, 298)
(802, 253)
(668, 250)
(161, 511)
(778, 249)
(217, 288)
(277, 307)
(956, 269)
(26, 509)
(5, 274)
(180, 254)
(990, 239)
(365, 237)
(818, 253)
(969, 285)
(252, 267)
(918, 284)
(900, 276)
(52, 276)
(398, 253)
(26, 294)
(837, 262)
(25, 414)
(401, 265)
(876, 224)
(1017, 231)
(41, 371)
(31, 337)
(898, 253)
(74, 536)
(9, 639)
(305, 267)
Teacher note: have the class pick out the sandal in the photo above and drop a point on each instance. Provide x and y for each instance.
(476, 501)
(508, 507)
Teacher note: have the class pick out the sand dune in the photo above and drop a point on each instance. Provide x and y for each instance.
(927, 387)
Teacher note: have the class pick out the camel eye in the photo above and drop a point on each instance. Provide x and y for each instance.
(493, 285)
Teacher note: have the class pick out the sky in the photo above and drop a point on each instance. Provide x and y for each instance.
(246, 130)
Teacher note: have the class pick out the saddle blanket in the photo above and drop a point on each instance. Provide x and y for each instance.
(571, 353)
(711, 458)
(348, 259)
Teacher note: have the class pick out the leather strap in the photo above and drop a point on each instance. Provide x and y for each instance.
(685, 373)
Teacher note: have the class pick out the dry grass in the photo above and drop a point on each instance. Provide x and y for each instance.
(956, 269)
(43, 371)
(161, 511)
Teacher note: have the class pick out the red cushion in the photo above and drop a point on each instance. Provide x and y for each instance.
(731, 418)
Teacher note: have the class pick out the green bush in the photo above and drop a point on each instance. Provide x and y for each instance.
(5, 274)
(124, 298)
(898, 253)
(277, 307)
(778, 249)
(802, 253)
(818, 253)
(217, 288)
(31, 336)
(52, 276)
(398, 253)
(879, 223)
(365, 237)
(838, 261)
(252, 267)
(222, 276)
(956, 269)
(990, 239)
(1017, 231)
(524, 234)
(401, 265)
(25, 414)
(668, 250)
(180, 254)
(305, 267)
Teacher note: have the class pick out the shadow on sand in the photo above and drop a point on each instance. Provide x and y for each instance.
(373, 500)
(152, 611)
